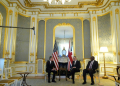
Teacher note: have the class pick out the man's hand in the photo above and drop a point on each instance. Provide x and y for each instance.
(89, 69)
(74, 67)
(53, 69)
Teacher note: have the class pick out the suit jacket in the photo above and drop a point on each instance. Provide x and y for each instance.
(77, 65)
(49, 66)
(94, 65)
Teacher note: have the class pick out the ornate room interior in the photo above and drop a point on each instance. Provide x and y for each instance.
(89, 24)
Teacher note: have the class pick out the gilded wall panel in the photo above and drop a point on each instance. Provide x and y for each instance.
(51, 23)
(41, 27)
(87, 46)
(22, 39)
(3, 12)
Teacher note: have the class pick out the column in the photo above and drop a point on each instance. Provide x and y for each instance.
(94, 37)
(32, 50)
(7, 53)
(116, 33)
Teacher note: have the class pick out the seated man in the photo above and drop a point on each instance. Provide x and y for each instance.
(75, 68)
(50, 67)
(91, 67)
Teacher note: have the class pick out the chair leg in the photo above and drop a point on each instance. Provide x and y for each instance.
(115, 84)
(79, 77)
(45, 78)
(20, 82)
(95, 79)
(99, 79)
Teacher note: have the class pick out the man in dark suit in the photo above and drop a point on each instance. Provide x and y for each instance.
(75, 68)
(50, 67)
(91, 67)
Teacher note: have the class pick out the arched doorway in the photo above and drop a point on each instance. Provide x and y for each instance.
(58, 33)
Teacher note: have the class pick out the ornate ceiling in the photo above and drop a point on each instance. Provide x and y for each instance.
(73, 6)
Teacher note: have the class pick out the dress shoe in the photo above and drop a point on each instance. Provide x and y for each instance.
(84, 83)
(68, 77)
(92, 83)
(54, 81)
(73, 82)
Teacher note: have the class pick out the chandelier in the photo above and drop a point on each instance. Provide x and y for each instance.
(57, 1)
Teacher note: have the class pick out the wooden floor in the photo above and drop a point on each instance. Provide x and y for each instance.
(41, 82)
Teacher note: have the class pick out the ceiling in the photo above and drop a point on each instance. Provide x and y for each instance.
(74, 5)
(59, 32)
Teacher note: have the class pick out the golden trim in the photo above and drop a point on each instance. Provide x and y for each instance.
(104, 13)
(82, 37)
(95, 54)
(30, 69)
(15, 34)
(21, 67)
(20, 62)
(33, 19)
(20, 71)
(45, 39)
(23, 15)
(64, 24)
(31, 54)
(5, 35)
(117, 32)
(44, 62)
(10, 12)
(23, 8)
(117, 11)
(28, 3)
(94, 18)
(4, 5)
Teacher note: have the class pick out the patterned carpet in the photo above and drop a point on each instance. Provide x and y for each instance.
(63, 82)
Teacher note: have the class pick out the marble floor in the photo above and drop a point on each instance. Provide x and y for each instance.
(63, 82)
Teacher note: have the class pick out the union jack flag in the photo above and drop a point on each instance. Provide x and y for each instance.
(70, 60)
(55, 55)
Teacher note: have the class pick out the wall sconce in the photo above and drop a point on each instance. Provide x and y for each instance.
(104, 50)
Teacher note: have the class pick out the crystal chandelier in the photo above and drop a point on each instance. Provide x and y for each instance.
(57, 1)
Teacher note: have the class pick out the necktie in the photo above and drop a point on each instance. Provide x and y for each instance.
(91, 65)
(74, 62)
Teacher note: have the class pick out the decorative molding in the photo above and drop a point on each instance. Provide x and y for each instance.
(110, 13)
(95, 54)
(114, 53)
(20, 62)
(7, 53)
(28, 3)
(94, 18)
(31, 69)
(31, 54)
(10, 12)
(117, 11)
(60, 24)
(33, 19)
(119, 53)
(26, 9)
(16, 14)
(64, 24)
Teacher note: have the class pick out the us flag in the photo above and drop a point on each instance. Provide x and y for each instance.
(55, 55)
(70, 60)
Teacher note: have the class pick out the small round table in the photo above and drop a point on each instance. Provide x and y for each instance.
(24, 75)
